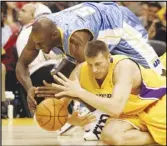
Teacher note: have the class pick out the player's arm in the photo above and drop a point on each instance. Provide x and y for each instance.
(22, 71)
(78, 41)
(75, 119)
(123, 80)
(28, 54)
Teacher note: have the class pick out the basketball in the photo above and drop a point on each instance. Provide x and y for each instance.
(51, 114)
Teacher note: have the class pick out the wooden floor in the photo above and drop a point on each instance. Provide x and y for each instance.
(25, 132)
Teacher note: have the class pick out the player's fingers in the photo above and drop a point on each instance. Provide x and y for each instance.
(88, 121)
(84, 122)
(63, 76)
(90, 115)
(59, 80)
(46, 84)
(31, 106)
(59, 87)
(46, 92)
(44, 88)
(91, 119)
(60, 94)
(45, 95)
(32, 100)
(75, 113)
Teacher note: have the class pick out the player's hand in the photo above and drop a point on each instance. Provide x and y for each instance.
(82, 121)
(30, 99)
(46, 91)
(67, 87)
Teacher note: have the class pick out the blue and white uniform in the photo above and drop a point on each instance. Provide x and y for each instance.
(117, 26)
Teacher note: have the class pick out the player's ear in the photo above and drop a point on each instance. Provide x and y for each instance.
(54, 34)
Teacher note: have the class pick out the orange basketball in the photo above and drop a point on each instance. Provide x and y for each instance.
(51, 114)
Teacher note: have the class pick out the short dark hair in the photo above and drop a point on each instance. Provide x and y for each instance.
(144, 3)
(93, 48)
(154, 4)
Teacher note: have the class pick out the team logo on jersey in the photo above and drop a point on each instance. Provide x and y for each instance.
(156, 62)
(105, 95)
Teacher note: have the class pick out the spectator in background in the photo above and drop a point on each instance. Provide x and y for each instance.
(154, 7)
(10, 13)
(20, 4)
(161, 32)
(3, 99)
(133, 6)
(143, 14)
(10, 30)
(6, 30)
(57, 6)
(157, 30)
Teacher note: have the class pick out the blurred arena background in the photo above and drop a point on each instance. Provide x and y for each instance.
(14, 19)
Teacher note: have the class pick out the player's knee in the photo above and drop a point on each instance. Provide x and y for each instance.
(111, 137)
(106, 136)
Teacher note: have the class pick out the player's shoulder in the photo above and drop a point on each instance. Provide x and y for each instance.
(77, 69)
(79, 66)
(126, 64)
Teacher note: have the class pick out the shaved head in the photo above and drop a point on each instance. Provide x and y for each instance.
(46, 35)
(43, 25)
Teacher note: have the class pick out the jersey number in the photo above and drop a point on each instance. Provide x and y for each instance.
(156, 63)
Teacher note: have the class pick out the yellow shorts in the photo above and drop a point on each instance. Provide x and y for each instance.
(153, 120)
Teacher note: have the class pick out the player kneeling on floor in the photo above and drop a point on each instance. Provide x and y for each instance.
(137, 107)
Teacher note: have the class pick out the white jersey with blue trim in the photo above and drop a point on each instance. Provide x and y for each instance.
(117, 26)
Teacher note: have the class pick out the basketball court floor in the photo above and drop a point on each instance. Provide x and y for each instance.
(26, 132)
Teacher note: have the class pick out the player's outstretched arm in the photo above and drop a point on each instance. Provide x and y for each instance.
(22, 72)
(28, 54)
(123, 80)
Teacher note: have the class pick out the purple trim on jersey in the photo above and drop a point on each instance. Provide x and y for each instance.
(147, 92)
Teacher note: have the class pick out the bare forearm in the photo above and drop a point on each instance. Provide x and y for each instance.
(107, 105)
(23, 76)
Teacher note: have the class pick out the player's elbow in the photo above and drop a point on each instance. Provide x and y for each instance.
(114, 114)
(115, 111)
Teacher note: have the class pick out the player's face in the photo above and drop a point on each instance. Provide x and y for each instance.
(99, 65)
(44, 42)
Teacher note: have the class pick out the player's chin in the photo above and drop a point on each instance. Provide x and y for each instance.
(47, 50)
(98, 76)
(79, 60)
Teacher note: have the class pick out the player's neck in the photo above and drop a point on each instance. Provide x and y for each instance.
(99, 81)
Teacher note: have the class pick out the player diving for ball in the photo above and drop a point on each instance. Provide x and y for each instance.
(136, 102)
(71, 29)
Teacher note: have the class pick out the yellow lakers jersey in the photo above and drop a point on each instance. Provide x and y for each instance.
(153, 86)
